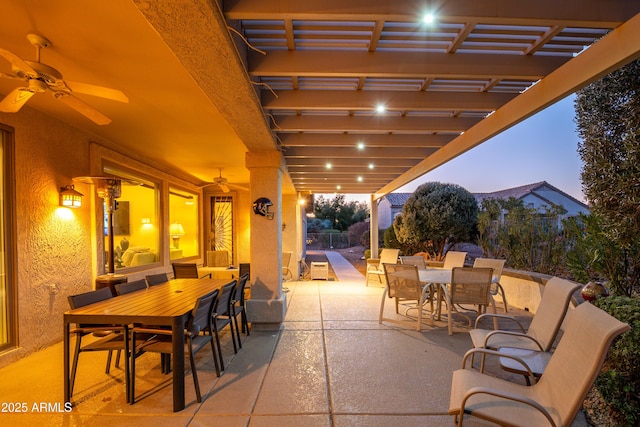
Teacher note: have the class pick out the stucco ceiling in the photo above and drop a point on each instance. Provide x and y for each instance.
(207, 83)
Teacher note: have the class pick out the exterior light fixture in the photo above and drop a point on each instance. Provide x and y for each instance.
(176, 231)
(70, 197)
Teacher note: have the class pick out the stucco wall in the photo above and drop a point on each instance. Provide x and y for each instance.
(54, 244)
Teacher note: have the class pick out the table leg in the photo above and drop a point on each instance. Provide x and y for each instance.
(178, 364)
(66, 340)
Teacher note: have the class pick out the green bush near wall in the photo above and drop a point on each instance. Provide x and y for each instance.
(619, 381)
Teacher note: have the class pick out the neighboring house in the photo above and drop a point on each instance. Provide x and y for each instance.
(539, 195)
(536, 195)
(389, 207)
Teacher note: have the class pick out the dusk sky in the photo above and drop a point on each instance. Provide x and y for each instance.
(541, 148)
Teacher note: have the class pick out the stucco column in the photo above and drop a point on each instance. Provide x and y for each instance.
(267, 306)
(373, 228)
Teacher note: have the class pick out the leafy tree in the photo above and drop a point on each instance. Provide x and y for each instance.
(527, 238)
(608, 122)
(357, 231)
(593, 256)
(436, 216)
(339, 213)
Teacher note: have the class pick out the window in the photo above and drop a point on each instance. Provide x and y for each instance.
(7, 319)
(184, 229)
(136, 238)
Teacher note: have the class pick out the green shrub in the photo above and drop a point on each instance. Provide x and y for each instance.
(619, 381)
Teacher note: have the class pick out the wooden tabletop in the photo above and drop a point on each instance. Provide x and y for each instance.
(154, 305)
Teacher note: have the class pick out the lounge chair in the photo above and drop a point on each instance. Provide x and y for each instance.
(556, 398)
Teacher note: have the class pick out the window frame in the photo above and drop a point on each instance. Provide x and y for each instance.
(10, 233)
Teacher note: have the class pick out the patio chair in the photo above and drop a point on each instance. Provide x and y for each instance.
(222, 317)
(238, 306)
(544, 326)
(128, 287)
(404, 284)
(454, 259)
(556, 398)
(112, 335)
(199, 321)
(157, 279)
(375, 265)
(286, 259)
(498, 266)
(187, 270)
(418, 261)
(468, 285)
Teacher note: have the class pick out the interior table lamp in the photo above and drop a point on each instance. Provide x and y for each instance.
(176, 231)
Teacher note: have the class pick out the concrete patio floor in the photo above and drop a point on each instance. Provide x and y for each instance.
(331, 364)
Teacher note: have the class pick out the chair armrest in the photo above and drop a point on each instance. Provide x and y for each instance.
(498, 316)
(504, 395)
(516, 334)
(490, 352)
(205, 275)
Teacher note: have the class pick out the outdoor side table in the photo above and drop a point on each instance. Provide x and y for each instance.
(319, 270)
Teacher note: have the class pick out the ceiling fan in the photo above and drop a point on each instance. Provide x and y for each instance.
(41, 77)
(223, 183)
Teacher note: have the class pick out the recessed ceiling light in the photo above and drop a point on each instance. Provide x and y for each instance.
(371, 165)
(328, 165)
(359, 179)
(360, 145)
(428, 18)
(380, 108)
(338, 187)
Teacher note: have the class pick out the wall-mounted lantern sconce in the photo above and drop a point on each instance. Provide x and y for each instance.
(146, 221)
(176, 231)
(70, 197)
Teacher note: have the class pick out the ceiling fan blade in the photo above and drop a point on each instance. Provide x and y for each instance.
(16, 61)
(224, 188)
(82, 108)
(11, 76)
(102, 92)
(15, 100)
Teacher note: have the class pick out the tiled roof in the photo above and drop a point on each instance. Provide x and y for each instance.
(398, 200)
(515, 192)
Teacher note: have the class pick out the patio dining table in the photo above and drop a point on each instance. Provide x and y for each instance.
(168, 304)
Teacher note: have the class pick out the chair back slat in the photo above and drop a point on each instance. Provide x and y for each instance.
(454, 259)
(551, 311)
(577, 360)
(127, 288)
(471, 285)
(239, 289)
(184, 270)
(223, 305)
(496, 264)
(402, 281)
(200, 319)
(418, 261)
(156, 279)
(86, 298)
